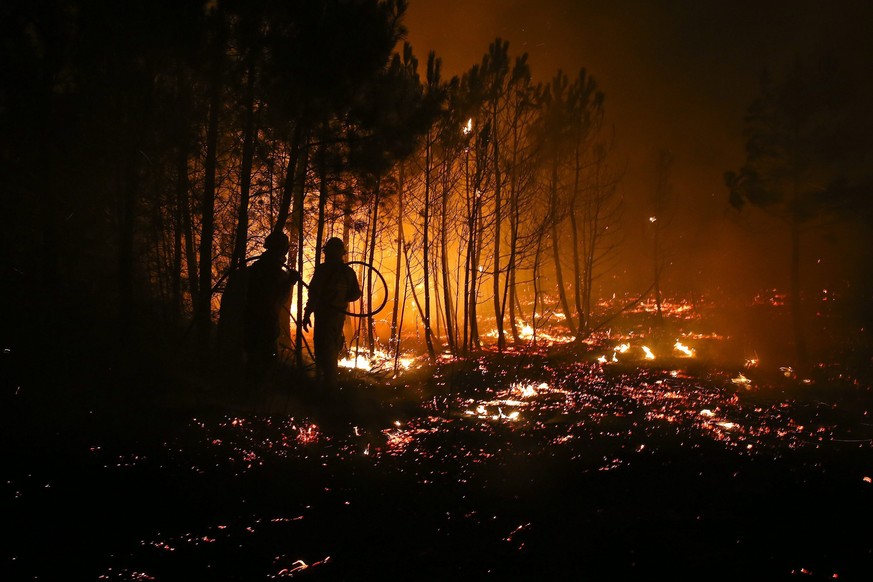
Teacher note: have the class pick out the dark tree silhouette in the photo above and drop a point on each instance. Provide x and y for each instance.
(806, 139)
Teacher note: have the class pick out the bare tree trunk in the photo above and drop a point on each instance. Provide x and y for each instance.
(426, 246)
(178, 227)
(203, 314)
(578, 280)
(129, 190)
(322, 202)
(448, 305)
(498, 185)
(509, 289)
(536, 277)
(657, 270)
(245, 173)
(190, 254)
(511, 295)
(295, 187)
(371, 326)
(394, 341)
(468, 258)
(475, 275)
(559, 276)
(296, 151)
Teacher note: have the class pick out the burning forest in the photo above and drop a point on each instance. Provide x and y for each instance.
(555, 360)
(629, 457)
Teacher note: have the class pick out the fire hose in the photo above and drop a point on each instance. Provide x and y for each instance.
(384, 301)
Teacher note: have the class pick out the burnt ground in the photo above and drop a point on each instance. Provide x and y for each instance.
(635, 470)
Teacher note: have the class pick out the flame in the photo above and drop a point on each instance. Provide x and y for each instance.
(742, 381)
(308, 434)
(469, 127)
(684, 349)
(649, 354)
(363, 360)
(527, 391)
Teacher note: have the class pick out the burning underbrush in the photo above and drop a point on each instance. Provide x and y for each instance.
(464, 458)
(531, 404)
(642, 450)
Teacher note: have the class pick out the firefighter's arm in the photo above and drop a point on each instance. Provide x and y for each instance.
(354, 289)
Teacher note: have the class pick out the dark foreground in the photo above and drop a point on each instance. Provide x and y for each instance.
(521, 468)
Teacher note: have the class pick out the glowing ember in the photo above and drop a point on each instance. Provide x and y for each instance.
(378, 360)
(742, 381)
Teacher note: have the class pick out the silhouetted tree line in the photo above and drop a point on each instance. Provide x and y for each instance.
(150, 146)
(809, 164)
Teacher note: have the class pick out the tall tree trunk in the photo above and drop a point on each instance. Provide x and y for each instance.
(130, 187)
(394, 341)
(538, 254)
(468, 257)
(296, 151)
(509, 289)
(207, 224)
(559, 275)
(661, 198)
(131, 184)
(293, 188)
(190, 252)
(245, 172)
(578, 279)
(657, 269)
(426, 246)
(322, 200)
(371, 327)
(475, 276)
(178, 211)
(511, 294)
(498, 184)
(448, 305)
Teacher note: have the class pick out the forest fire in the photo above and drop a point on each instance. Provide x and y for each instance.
(570, 403)
(622, 404)
(484, 416)
(379, 360)
(584, 336)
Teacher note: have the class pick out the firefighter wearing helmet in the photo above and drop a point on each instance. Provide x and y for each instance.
(333, 285)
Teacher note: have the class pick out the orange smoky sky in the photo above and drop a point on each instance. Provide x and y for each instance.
(677, 75)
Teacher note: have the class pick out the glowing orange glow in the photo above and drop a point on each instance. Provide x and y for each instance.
(742, 381)
(679, 346)
(380, 359)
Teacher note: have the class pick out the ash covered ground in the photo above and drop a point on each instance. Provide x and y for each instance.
(680, 454)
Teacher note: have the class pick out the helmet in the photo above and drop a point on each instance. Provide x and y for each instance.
(277, 240)
(335, 246)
